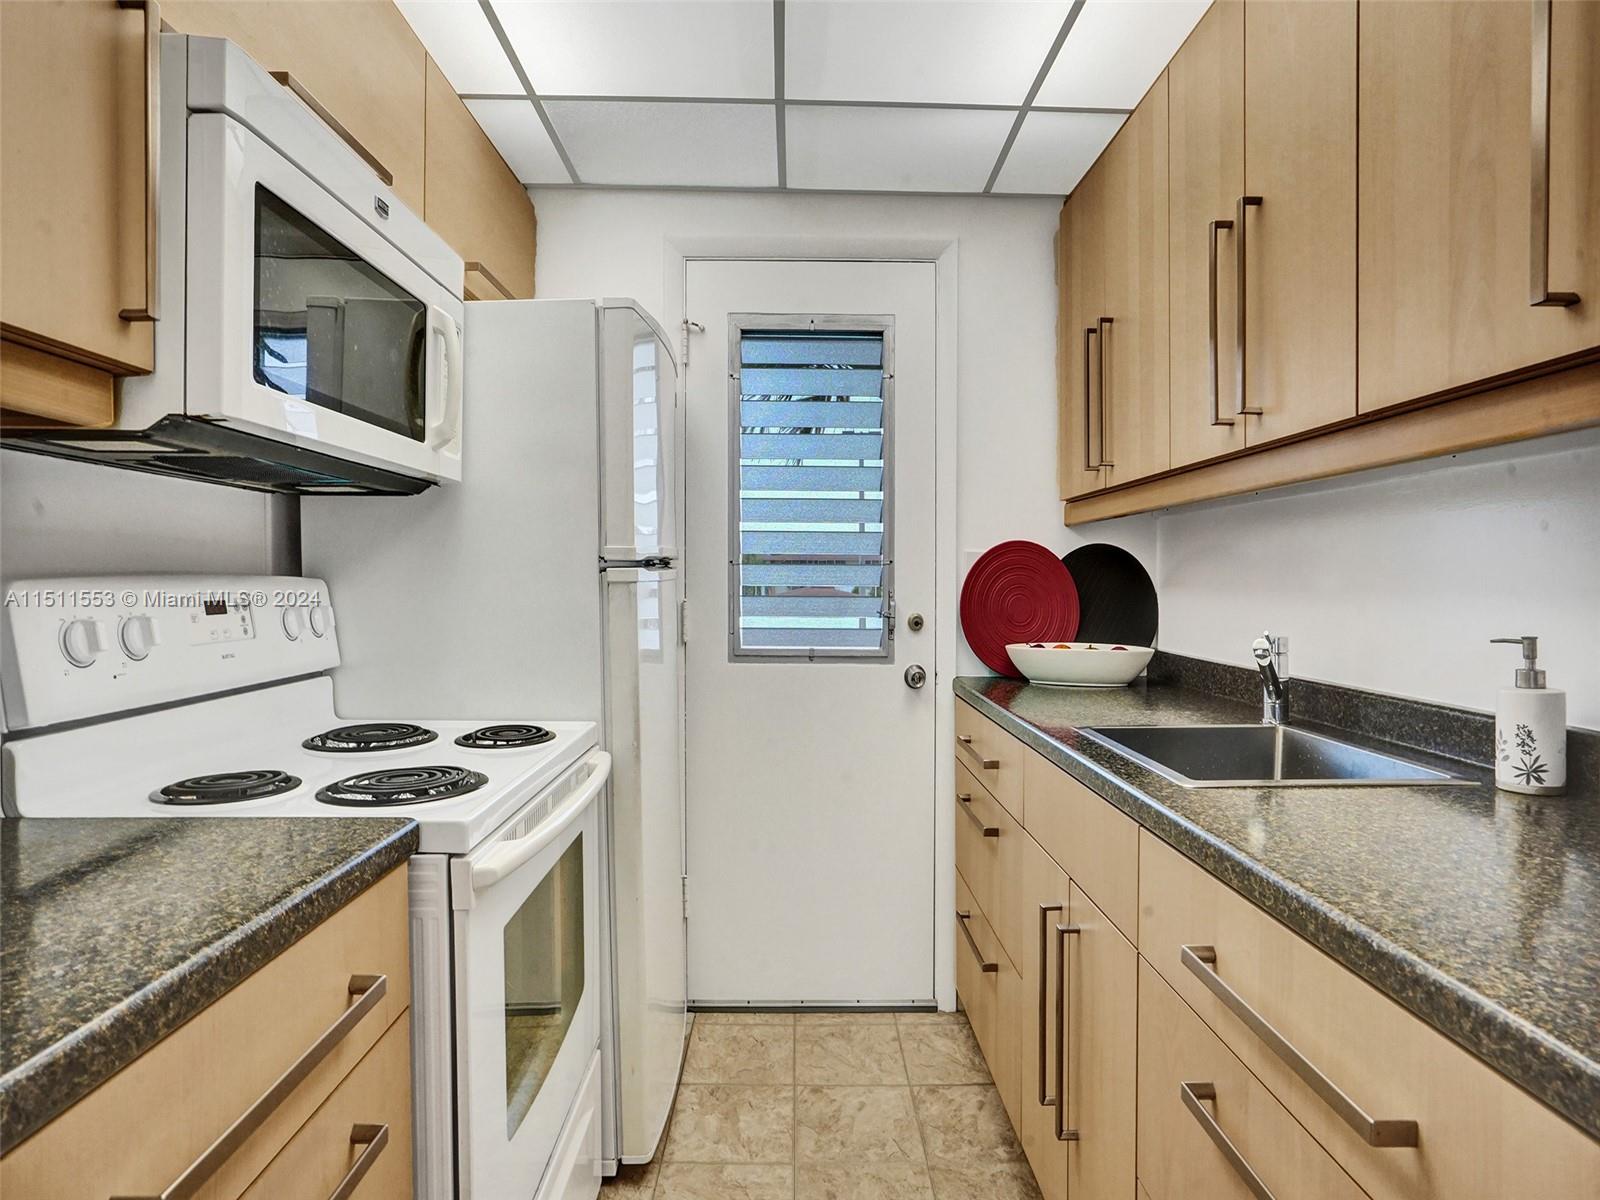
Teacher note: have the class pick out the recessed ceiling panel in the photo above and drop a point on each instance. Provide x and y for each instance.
(1053, 150)
(672, 144)
(516, 131)
(717, 48)
(458, 36)
(1115, 51)
(894, 149)
(939, 52)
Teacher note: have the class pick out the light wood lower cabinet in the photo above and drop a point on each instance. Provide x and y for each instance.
(1206, 1123)
(1479, 1137)
(992, 755)
(1097, 845)
(143, 1128)
(1445, 193)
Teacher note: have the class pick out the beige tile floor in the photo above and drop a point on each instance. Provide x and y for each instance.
(822, 1106)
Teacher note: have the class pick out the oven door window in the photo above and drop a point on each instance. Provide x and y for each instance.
(544, 973)
(333, 330)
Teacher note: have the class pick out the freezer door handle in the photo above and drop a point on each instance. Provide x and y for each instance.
(505, 857)
(654, 562)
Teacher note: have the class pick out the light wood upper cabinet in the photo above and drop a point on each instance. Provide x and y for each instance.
(1133, 399)
(72, 202)
(359, 58)
(1446, 194)
(1079, 249)
(1206, 163)
(1300, 241)
(473, 199)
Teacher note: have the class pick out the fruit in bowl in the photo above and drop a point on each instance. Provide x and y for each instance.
(1080, 664)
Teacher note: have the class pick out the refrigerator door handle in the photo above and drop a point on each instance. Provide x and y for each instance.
(654, 562)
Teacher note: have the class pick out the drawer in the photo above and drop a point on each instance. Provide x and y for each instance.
(211, 1070)
(976, 949)
(1479, 1137)
(1181, 1155)
(992, 755)
(574, 1171)
(341, 1142)
(1094, 843)
(989, 857)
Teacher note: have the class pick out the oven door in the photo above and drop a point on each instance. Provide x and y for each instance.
(527, 984)
(306, 324)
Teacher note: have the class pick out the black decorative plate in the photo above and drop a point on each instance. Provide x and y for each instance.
(1116, 600)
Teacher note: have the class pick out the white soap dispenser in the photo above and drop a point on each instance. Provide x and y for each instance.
(1530, 730)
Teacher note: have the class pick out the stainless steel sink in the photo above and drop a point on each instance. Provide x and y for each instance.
(1200, 756)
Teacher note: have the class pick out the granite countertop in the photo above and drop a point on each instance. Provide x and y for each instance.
(115, 932)
(1476, 909)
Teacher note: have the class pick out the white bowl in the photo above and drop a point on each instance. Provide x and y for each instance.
(1080, 664)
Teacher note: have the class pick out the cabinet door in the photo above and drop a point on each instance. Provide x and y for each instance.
(473, 200)
(1078, 250)
(1048, 896)
(1300, 241)
(1205, 84)
(72, 185)
(1446, 196)
(1134, 386)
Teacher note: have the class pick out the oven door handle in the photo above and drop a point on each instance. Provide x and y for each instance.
(505, 857)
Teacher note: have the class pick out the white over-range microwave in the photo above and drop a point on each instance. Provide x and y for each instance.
(309, 330)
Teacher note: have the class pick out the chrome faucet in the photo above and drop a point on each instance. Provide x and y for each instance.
(1269, 651)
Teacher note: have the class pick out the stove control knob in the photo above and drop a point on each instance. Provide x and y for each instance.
(294, 623)
(138, 636)
(81, 640)
(321, 619)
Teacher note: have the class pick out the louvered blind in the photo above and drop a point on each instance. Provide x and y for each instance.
(811, 558)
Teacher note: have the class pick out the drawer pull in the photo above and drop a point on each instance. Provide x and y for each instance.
(1045, 1099)
(1195, 1096)
(368, 990)
(964, 741)
(1201, 961)
(988, 968)
(373, 1139)
(1063, 1134)
(965, 799)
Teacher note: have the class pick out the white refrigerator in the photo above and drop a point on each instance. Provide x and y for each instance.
(561, 541)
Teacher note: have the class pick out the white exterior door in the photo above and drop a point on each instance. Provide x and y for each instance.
(809, 524)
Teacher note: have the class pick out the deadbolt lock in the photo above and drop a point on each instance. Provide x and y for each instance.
(915, 622)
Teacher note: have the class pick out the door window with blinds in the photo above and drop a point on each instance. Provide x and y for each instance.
(811, 562)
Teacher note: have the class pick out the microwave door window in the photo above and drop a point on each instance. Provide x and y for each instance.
(333, 330)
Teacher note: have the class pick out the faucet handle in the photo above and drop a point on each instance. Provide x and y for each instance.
(1268, 648)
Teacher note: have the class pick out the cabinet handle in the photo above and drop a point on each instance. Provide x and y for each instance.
(1195, 1096)
(1216, 410)
(332, 122)
(1088, 400)
(477, 268)
(965, 799)
(1063, 1134)
(373, 1139)
(1239, 407)
(151, 310)
(1539, 293)
(1201, 962)
(1045, 1099)
(988, 968)
(1100, 352)
(964, 742)
(369, 990)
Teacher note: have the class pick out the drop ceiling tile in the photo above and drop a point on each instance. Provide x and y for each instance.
(1115, 51)
(894, 149)
(669, 143)
(1053, 150)
(516, 131)
(936, 52)
(719, 48)
(458, 36)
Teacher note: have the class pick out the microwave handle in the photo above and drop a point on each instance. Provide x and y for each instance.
(505, 857)
(444, 430)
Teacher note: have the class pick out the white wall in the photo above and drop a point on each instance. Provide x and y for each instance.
(70, 518)
(1394, 580)
(620, 243)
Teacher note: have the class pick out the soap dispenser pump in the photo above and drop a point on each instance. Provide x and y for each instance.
(1530, 730)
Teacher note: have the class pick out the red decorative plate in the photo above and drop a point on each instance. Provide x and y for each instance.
(1017, 592)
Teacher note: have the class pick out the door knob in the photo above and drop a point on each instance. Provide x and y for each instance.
(915, 676)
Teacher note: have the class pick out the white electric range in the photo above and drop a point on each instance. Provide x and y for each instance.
(209, 697)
